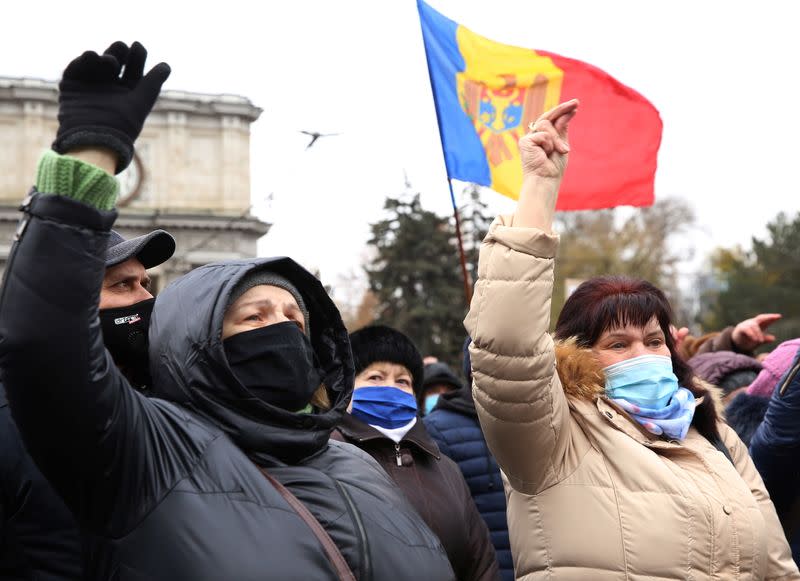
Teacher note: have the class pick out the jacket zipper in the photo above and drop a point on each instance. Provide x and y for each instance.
(365, 570)
(397, 454)
(789, 378)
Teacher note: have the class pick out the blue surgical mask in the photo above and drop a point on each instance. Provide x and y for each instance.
(385, 406)
(646, 381)
(430, 402)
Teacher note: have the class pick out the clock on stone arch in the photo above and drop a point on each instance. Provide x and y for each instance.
(130, 182)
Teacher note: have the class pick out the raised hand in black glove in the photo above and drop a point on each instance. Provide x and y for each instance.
(99, 108)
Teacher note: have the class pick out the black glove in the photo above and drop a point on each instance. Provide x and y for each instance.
(98, 108)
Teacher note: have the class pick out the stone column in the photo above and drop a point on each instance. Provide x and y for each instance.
(235, 166)
(177, 144)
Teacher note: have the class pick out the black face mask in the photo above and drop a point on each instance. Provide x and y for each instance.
(125, 335)
(276, 364)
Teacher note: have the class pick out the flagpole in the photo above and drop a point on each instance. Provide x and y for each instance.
(462, 255)
(464, 273)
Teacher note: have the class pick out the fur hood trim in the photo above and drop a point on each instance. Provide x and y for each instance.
(582, 376)
(580, 372)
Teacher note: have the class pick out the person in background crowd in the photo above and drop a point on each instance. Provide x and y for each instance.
(439, 379)
(383, 422)
(743, 338)
(775, 448)
(731, 372)
(227, 472)
(126, 300)
(746, 406)
(617, 462)
(453, 425)
(773, 367)
(744, 413)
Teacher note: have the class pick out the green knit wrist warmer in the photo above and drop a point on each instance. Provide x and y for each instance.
(76, 179)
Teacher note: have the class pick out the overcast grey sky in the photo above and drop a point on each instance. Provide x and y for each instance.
(723, 75)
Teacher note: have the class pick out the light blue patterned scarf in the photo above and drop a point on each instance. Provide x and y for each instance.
(673, 420)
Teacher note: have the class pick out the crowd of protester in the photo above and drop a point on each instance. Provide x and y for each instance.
(232, 428)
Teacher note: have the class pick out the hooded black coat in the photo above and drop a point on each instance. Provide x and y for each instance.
(172, 484)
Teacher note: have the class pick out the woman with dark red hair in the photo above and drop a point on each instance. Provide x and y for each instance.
(617, 462)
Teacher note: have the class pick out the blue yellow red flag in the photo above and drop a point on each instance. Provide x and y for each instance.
(486, 93)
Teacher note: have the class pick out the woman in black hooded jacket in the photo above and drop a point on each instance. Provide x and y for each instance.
(175, 485)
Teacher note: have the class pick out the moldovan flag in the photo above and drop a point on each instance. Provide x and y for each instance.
(486, 94)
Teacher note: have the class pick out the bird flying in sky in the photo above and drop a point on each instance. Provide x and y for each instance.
(314, 135)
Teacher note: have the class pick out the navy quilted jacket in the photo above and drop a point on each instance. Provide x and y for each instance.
(775, 449)
(453, 424)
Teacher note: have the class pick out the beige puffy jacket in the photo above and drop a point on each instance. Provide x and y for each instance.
(592, 495)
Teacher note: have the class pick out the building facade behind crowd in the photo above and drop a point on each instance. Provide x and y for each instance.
(190, 174)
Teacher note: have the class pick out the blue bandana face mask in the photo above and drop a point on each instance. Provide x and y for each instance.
(646, 381)
(385, 406)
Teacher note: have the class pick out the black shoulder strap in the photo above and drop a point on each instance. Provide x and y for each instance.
(343, 571)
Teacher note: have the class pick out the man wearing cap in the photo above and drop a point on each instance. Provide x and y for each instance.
(126, 301)
(39, 538)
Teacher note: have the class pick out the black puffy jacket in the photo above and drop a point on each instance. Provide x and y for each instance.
(172, 486)
(38, 536)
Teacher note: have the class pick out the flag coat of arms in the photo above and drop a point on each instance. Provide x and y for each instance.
(486, 93)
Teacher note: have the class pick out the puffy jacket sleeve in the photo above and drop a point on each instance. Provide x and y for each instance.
(775, 447)
(93, 437)
(780, 564)
(520, 402)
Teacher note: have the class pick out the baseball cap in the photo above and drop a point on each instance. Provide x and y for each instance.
(151, 249)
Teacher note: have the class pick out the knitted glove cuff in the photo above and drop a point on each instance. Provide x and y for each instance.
(76, 179)
(97, 136)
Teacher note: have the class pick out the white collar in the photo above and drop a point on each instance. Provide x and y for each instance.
(397, 434)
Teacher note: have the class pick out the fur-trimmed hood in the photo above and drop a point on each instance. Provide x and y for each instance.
(582, 377)
(580, 372)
